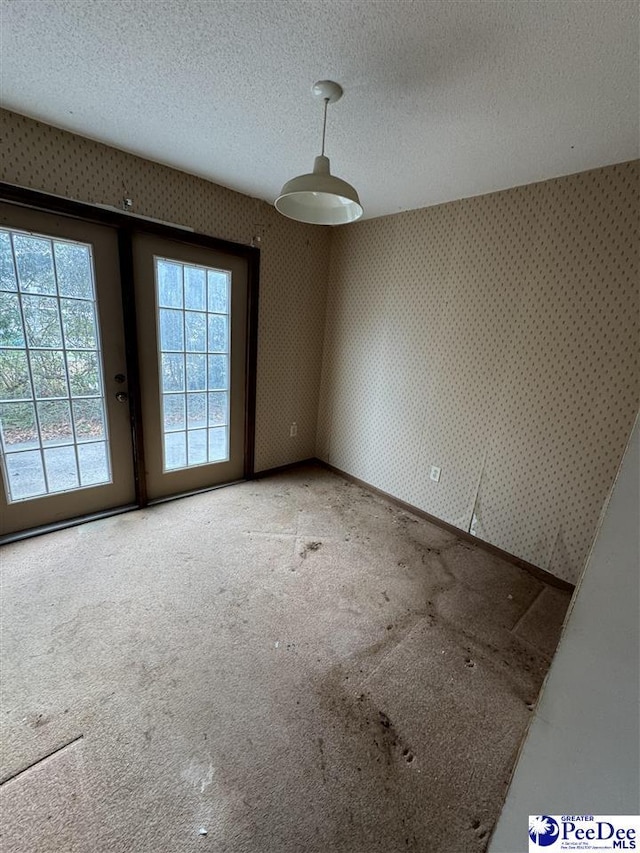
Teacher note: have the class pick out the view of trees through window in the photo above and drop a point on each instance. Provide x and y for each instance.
(52, 418)
(193, 331)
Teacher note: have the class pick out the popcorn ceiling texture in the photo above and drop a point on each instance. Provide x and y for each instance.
(293, 264)
(497, 338)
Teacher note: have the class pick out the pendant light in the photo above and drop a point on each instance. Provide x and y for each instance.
(319, 198)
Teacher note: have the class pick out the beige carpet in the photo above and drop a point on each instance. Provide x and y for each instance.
(290, 665)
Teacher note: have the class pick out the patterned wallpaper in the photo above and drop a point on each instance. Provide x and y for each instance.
(497, 338)
(293, 267)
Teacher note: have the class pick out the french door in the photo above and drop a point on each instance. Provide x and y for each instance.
(64, 423)
(66, 447)
(191, 305)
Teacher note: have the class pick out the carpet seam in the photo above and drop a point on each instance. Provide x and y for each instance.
(18, 773)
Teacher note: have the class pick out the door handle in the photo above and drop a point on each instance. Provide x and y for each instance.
(122, 396)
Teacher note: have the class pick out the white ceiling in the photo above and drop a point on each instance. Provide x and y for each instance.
(443, 99)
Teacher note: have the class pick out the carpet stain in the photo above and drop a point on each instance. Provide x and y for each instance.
(199, 773)
(381, 749)
(309, 548)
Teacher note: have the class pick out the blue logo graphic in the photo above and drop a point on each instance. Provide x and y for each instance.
(543, 830)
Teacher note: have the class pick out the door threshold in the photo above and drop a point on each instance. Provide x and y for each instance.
(19, 535)
(190, 494)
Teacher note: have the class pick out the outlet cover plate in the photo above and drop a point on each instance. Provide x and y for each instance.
(435, 474)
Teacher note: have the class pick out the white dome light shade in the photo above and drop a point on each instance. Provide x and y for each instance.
(319, 198)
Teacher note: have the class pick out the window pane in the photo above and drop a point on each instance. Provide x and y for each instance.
(35, 264)
(173, 373)
(60, 465)
(40, 437)
(196, 332)
(55, 422)
(173, 412)
(218, 444)
(88, 419)
(49, 373)
(42, 321)
(197, 441)
(218, 408)
(25, 475)
(79, 324)
(171, 332)
(7, 269)
(195, 289)
(18, 425)
(175, 450)
(169, 284)
(14, 375)
(218, 338)
(10, 323)
(84, 373)
(217, 291)
(196, 372)
(196, 410)
(94, 463)
(218, 371)
(74, 269)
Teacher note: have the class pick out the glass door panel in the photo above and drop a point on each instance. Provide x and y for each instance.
(191, 305)
(193, 312)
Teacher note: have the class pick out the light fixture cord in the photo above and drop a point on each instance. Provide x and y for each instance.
(324, 123)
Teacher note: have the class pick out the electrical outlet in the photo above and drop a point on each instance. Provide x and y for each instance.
(435, 474)
(293, 430)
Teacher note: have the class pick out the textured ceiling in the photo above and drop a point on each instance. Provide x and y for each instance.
(442, 99)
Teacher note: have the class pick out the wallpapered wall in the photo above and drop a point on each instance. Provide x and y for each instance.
(497, 338)
(293, 265)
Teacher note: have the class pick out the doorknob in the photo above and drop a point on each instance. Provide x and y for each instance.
(122, 396)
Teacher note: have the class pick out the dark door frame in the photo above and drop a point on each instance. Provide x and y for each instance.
(127, 226)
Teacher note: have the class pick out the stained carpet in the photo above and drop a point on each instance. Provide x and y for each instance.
(290, 665)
